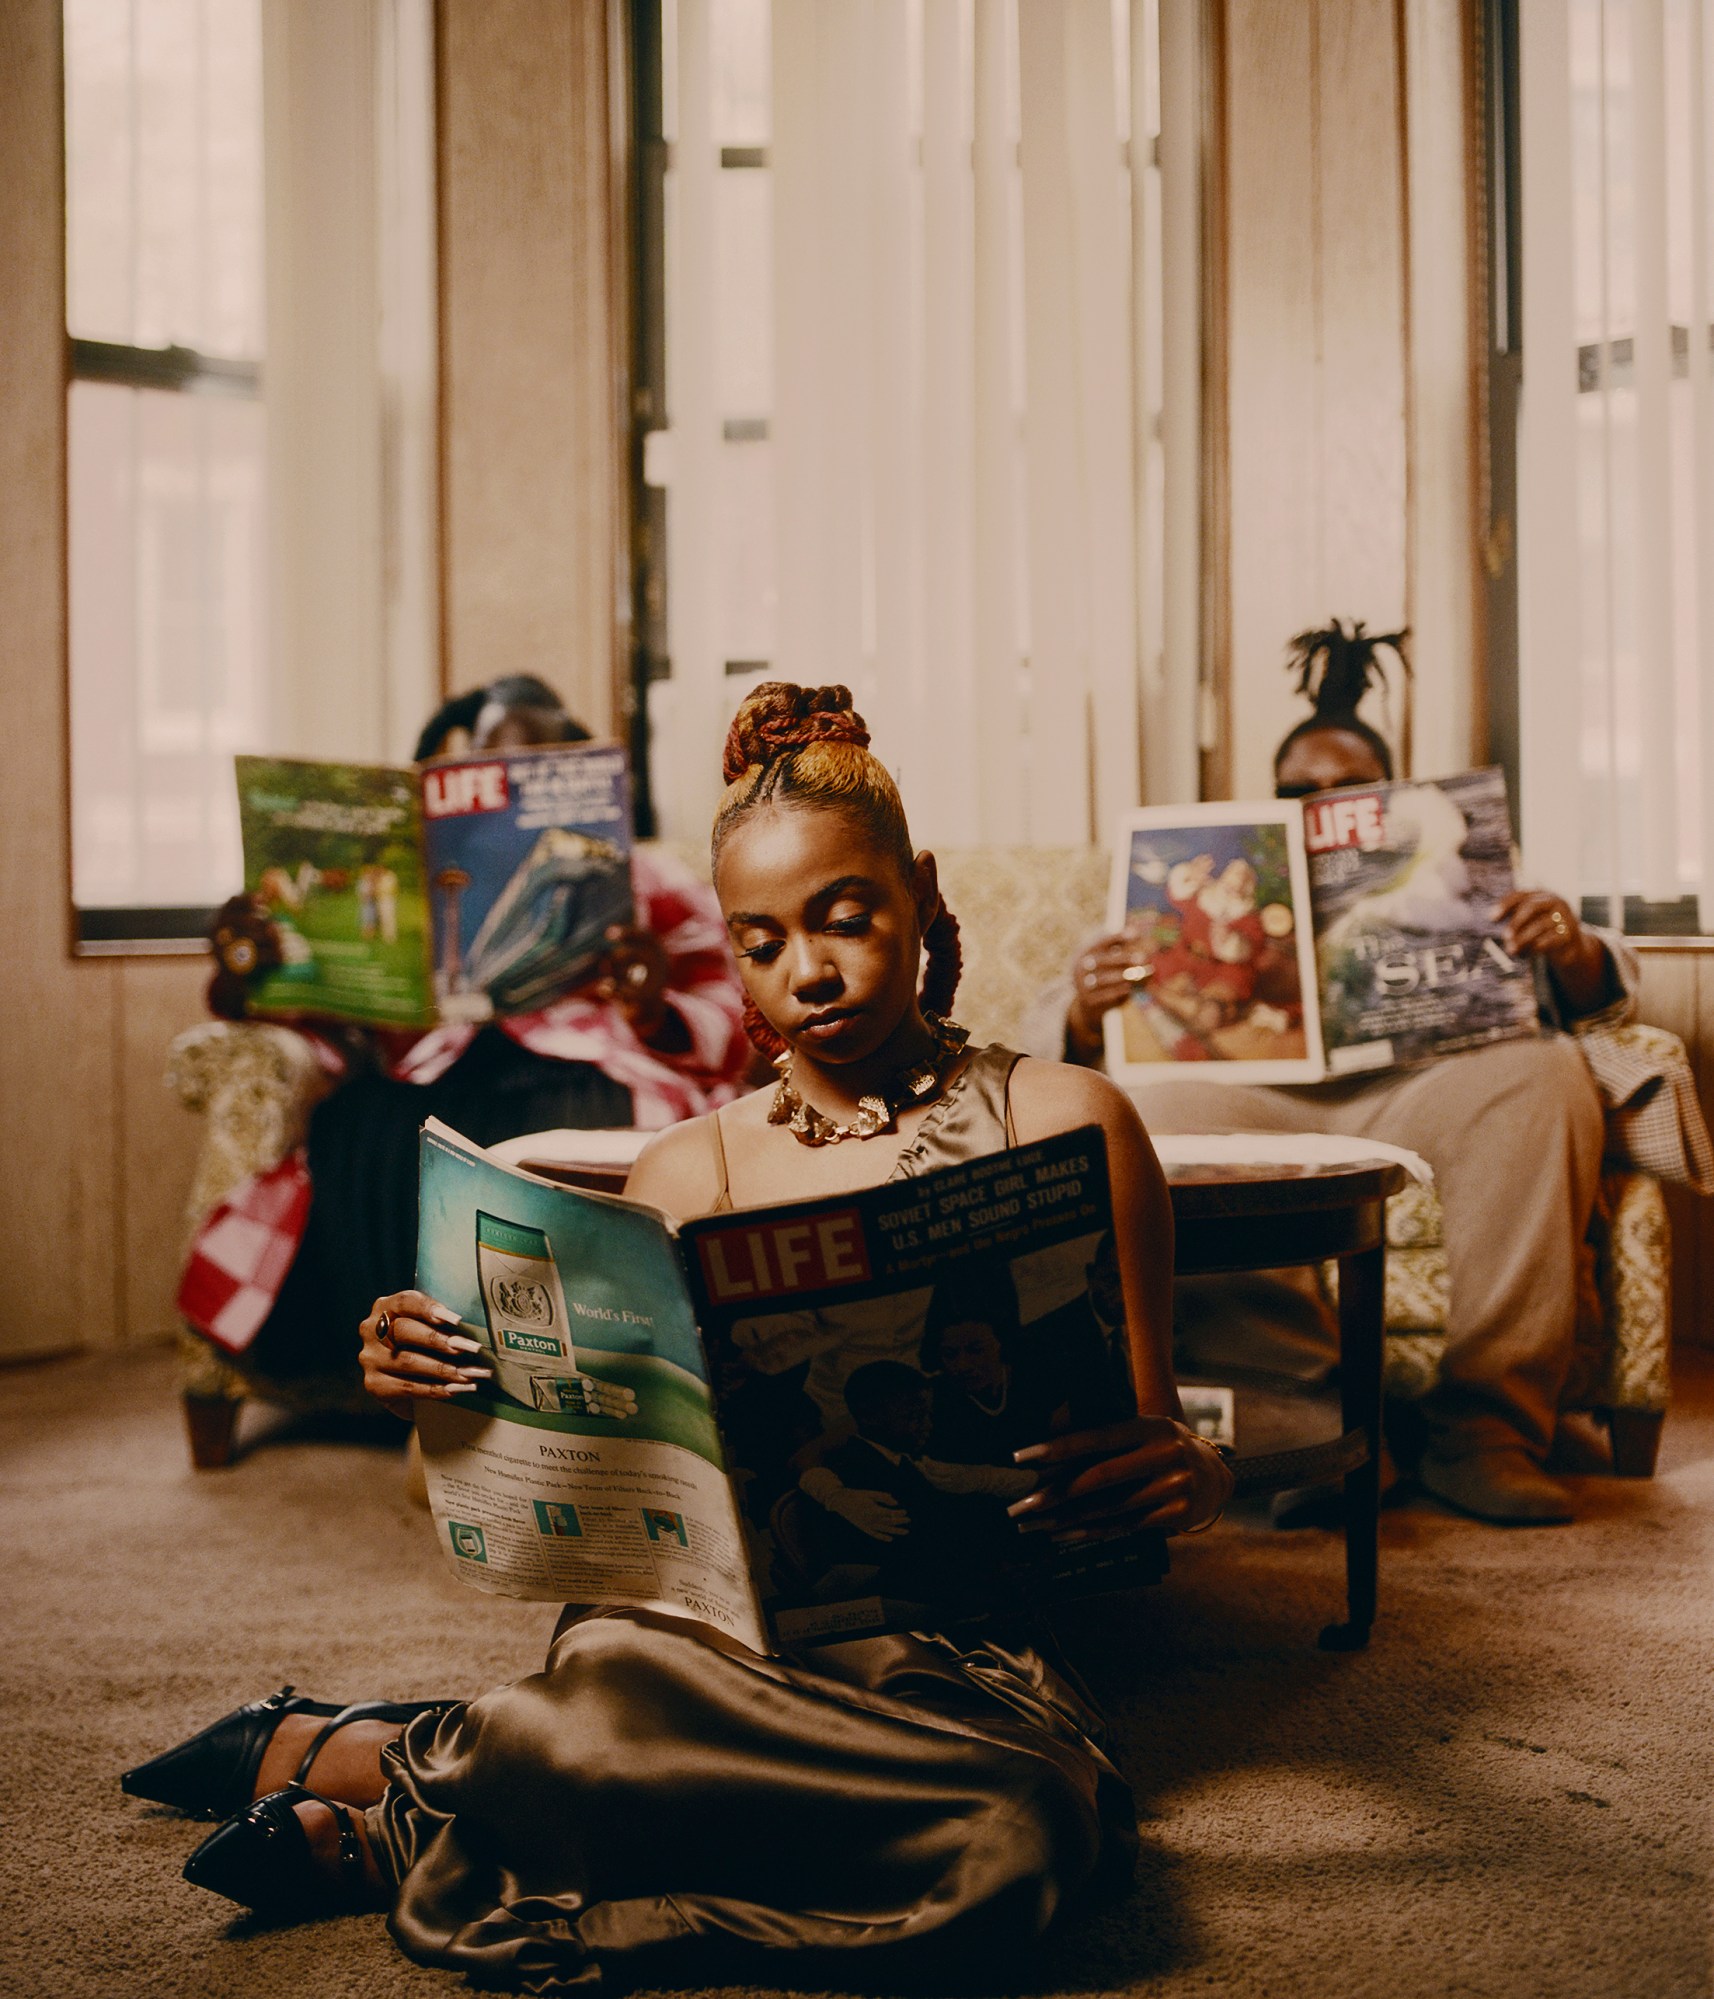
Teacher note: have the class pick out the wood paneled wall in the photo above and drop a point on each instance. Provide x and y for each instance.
(94, 1157)
(1678, 992)
(532, 350)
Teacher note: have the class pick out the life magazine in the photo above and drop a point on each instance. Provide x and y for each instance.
(474, 886)
(1284, 941)
(795, 1423)
(1403, 882)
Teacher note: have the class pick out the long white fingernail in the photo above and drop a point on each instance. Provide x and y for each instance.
(446, 1315)
(461, 1344)
(461, 1387)
(476, 1374)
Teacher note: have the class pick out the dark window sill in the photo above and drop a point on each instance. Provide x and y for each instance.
(148, 933)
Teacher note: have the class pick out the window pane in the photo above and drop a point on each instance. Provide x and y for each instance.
(745, 564)
(167, 633)
(741, 73)
(164, 173)
(744, 291)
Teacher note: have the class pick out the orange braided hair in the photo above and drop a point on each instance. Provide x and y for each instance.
(808, 746)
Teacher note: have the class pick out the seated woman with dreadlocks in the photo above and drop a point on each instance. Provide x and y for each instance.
(659, 1796)
(1513, 1131)
(654, 1036)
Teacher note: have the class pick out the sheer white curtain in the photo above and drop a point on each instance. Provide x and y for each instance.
(914, 349)
(1616, 447)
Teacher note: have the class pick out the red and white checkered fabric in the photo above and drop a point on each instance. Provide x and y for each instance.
(242, 1252)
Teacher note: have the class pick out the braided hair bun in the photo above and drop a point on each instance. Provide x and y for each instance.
(779, 718)
(808, 747)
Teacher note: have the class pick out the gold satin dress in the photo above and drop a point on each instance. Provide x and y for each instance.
(659, 1802)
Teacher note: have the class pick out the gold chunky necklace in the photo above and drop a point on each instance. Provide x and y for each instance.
(875, 1113)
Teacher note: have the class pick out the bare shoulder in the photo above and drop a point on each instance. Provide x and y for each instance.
(1051, 1097)
(678, 1171)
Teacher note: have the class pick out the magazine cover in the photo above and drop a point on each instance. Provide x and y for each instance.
(1217, 899)
(590, 1471)
(1404, 878)
(876, 1362)
(528, 861)
(334, 850)
(793, 1423)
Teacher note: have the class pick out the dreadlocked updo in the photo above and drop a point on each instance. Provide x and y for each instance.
(1335, 668)
(807, 746)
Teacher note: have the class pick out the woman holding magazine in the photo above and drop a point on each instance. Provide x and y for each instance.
(659, 1793)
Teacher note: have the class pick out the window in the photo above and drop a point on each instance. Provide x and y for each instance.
(166, 444)
(901, 361)
(227, 594)
(1616, 455)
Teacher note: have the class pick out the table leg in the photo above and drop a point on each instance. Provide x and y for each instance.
(1362, 1326)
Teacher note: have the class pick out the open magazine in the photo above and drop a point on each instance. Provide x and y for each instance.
(793, 1423)
(1285, 941)
(470, 887)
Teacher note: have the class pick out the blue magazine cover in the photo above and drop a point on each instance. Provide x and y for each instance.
(528, 864)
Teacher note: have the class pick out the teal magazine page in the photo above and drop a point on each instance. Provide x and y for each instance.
(334, 851)
(1403, 882)
(590, 1471)
(528, 863)
(878, 1358)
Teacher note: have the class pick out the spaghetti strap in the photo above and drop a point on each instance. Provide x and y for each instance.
(1011, 1128)
(722, 1199)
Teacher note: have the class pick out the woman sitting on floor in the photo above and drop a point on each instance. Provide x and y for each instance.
(656, 1036)
(658, 1785)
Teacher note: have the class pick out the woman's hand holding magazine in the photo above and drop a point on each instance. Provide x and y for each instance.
(1148, 1471)
(409, 1353)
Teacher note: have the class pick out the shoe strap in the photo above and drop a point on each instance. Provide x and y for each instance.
(352, 1880)
(357, 1711)
(351, 1875)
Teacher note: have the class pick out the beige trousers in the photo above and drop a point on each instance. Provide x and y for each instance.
(1514, 1133)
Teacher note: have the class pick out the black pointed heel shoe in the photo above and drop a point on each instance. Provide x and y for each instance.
(262, 1860)
(213, 1775)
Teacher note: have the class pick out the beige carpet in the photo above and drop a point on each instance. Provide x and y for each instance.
(1508, 1795)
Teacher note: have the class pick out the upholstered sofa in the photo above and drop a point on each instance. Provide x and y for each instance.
(1023, 912)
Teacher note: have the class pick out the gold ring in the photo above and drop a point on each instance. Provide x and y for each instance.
(384, 1331)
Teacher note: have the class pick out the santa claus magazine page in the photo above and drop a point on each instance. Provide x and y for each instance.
(1213, 901)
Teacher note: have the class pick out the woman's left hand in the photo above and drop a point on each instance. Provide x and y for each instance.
(634, 975)
(1149, 1471)
(1541, 924)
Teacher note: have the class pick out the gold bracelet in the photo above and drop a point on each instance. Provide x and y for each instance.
(1225, 1457)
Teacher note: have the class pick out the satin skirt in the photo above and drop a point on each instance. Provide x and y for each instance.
(658, 1797)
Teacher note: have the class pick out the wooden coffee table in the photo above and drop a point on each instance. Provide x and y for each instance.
(1233, 1218)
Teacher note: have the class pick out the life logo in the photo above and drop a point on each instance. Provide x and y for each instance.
(465, 788)
(1344, 822)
